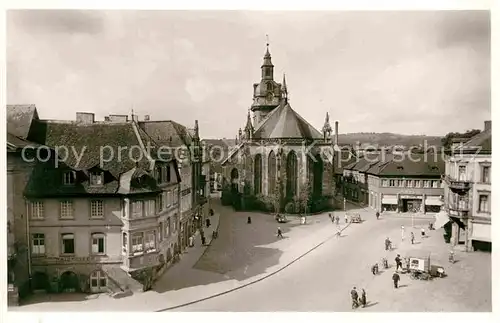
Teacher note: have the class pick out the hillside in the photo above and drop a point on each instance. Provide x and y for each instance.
(388, 139)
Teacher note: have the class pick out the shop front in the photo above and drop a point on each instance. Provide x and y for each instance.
(433, 204)
(481, 236)
(389, 203)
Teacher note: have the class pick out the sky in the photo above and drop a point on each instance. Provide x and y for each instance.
(404, 72)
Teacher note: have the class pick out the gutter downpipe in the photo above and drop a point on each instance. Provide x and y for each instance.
(28, 243)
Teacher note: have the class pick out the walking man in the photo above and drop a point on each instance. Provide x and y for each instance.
(354, 297)
(395, 279)
(387, 243)
(402, 233)
(398, 263)
(280, 234)
(345, 217)
(337, 219)
(331, 217)
(423, 233)
(412, 237)
(362, 299)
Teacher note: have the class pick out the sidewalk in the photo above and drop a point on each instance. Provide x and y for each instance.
(190, 255)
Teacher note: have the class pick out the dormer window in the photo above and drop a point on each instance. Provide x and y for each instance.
(96, 178)
(69, 178)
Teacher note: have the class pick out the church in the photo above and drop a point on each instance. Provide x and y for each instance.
(278, 152)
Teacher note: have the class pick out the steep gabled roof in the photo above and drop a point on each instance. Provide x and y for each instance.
(284, 122)
(90, 144)
(167, 132)
(20, 118)
(480, 143)
(410, 165)
(15, 143)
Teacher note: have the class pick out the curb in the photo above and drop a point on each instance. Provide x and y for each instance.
(254, 281)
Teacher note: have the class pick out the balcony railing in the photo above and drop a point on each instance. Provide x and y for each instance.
(458, 211)
(458, 184)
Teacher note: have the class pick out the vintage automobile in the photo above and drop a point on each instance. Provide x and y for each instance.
(354, 217)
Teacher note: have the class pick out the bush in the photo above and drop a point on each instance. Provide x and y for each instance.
(290, 208)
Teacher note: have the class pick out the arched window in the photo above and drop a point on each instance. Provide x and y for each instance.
(291, 175)
(271, 173)
(257, 174)
(269, 86)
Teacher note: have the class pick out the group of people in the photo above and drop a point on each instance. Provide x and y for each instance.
(358, 301)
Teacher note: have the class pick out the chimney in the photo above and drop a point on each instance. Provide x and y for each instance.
(487, 125)
(336, 142)
(85, 117)
(117, 118)
(146, 117)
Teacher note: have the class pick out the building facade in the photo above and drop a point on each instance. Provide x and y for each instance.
(279, 152)
(96, 220)
(185, 145)
(468, 191)
(396, 183)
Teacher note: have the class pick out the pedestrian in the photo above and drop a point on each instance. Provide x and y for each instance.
(331, 217)
(280, 234)
(207, 221)
(402, 233)
(191, 241)
(395, 279)
(203, 240)
(337, 219)
(211, 212)
(387, 243)
(398, 263)
(345, 218)
(354, 297)
(249, 220)
(412, 237)
(375, 269)
(377, 215)
(362, 299)
(423, 233)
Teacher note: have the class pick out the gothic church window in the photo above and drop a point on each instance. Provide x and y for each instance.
(257, 173)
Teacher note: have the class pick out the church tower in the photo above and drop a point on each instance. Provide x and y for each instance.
(267, 93)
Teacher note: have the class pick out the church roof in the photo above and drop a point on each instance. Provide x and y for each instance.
(284, 122)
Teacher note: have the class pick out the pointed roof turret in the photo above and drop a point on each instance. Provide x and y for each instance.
(284, 89)
(249, 125)
(267, 56)
(327, 127)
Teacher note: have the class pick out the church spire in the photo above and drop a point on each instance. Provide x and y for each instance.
(267, 65)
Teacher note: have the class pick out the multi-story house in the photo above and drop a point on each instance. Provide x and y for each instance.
(468, 191)
(397, 182)
(101, 213)
(185, 146)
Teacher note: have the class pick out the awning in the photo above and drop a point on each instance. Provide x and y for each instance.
(434, 200)
(481, 232)
(389, 199)
(441, 219)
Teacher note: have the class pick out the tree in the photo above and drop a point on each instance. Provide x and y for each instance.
(447, 140)
(305, 197)
(276, 197)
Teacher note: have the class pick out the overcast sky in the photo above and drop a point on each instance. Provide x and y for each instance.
(403, 72)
